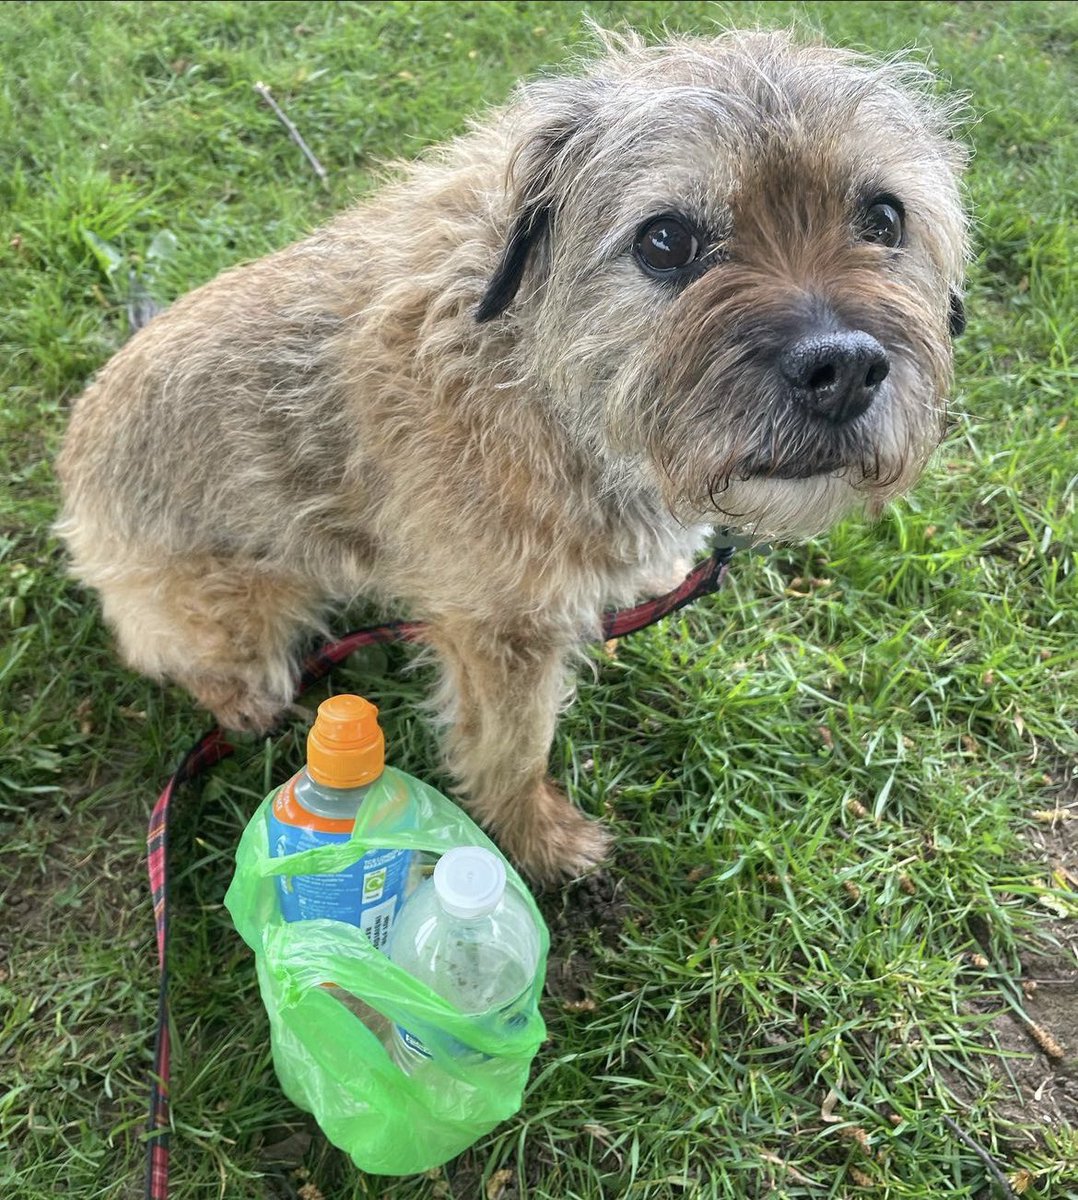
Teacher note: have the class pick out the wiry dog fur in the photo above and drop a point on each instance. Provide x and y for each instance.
(466, 398)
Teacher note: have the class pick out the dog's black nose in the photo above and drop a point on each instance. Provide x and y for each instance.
(835, 375)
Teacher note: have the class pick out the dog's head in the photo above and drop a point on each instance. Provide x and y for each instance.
(737, 266)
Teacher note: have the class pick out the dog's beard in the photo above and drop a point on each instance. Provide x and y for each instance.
(769, 509)
(783, 473)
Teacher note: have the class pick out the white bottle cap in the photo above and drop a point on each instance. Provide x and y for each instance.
(469, 881)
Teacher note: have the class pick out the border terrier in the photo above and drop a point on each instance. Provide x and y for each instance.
(712, 281)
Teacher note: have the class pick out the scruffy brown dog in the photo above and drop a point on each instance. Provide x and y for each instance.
(707, 281)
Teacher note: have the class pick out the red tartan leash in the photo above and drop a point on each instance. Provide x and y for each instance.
(214, 746)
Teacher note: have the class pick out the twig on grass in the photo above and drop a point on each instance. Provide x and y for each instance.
(989, 1162)
(293, 132)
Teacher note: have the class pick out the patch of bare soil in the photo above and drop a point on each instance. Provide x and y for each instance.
(1043, 1087)
(584, 917)
(1039, 1077)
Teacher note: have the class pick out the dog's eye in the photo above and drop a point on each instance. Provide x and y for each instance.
(882, 222)
(665, 245)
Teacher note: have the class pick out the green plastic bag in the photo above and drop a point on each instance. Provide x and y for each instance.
(327, 1060)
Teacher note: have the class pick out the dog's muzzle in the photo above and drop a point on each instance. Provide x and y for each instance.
(825, 381)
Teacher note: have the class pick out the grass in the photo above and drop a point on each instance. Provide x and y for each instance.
(829, 878)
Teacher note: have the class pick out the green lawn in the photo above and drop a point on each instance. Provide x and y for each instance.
(841, 906)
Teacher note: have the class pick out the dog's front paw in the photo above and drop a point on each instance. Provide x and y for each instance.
(551, 840)
(237, 705)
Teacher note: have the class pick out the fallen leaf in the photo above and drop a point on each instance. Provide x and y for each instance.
(1053, 904)
(1052, 816)
(827, 1109)
(854, 1133)
(496, 1183)
(289, 1150)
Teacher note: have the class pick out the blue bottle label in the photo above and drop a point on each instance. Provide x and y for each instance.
(511, 1016)
(366, 894)
(414, 1044)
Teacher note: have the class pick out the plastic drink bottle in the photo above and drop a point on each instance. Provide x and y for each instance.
(470, 939)
(318, 807)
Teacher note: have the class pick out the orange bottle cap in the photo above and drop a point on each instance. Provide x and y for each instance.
(345, 748)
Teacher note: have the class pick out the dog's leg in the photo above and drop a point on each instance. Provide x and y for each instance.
(222, 629)
(499, 696)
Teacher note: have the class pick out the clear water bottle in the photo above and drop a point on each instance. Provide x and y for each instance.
(471, 940)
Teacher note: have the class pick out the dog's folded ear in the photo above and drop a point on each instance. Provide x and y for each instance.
(956, 322)
(535, 182)
(529, 226)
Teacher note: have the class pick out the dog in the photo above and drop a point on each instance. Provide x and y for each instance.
(712, 281)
